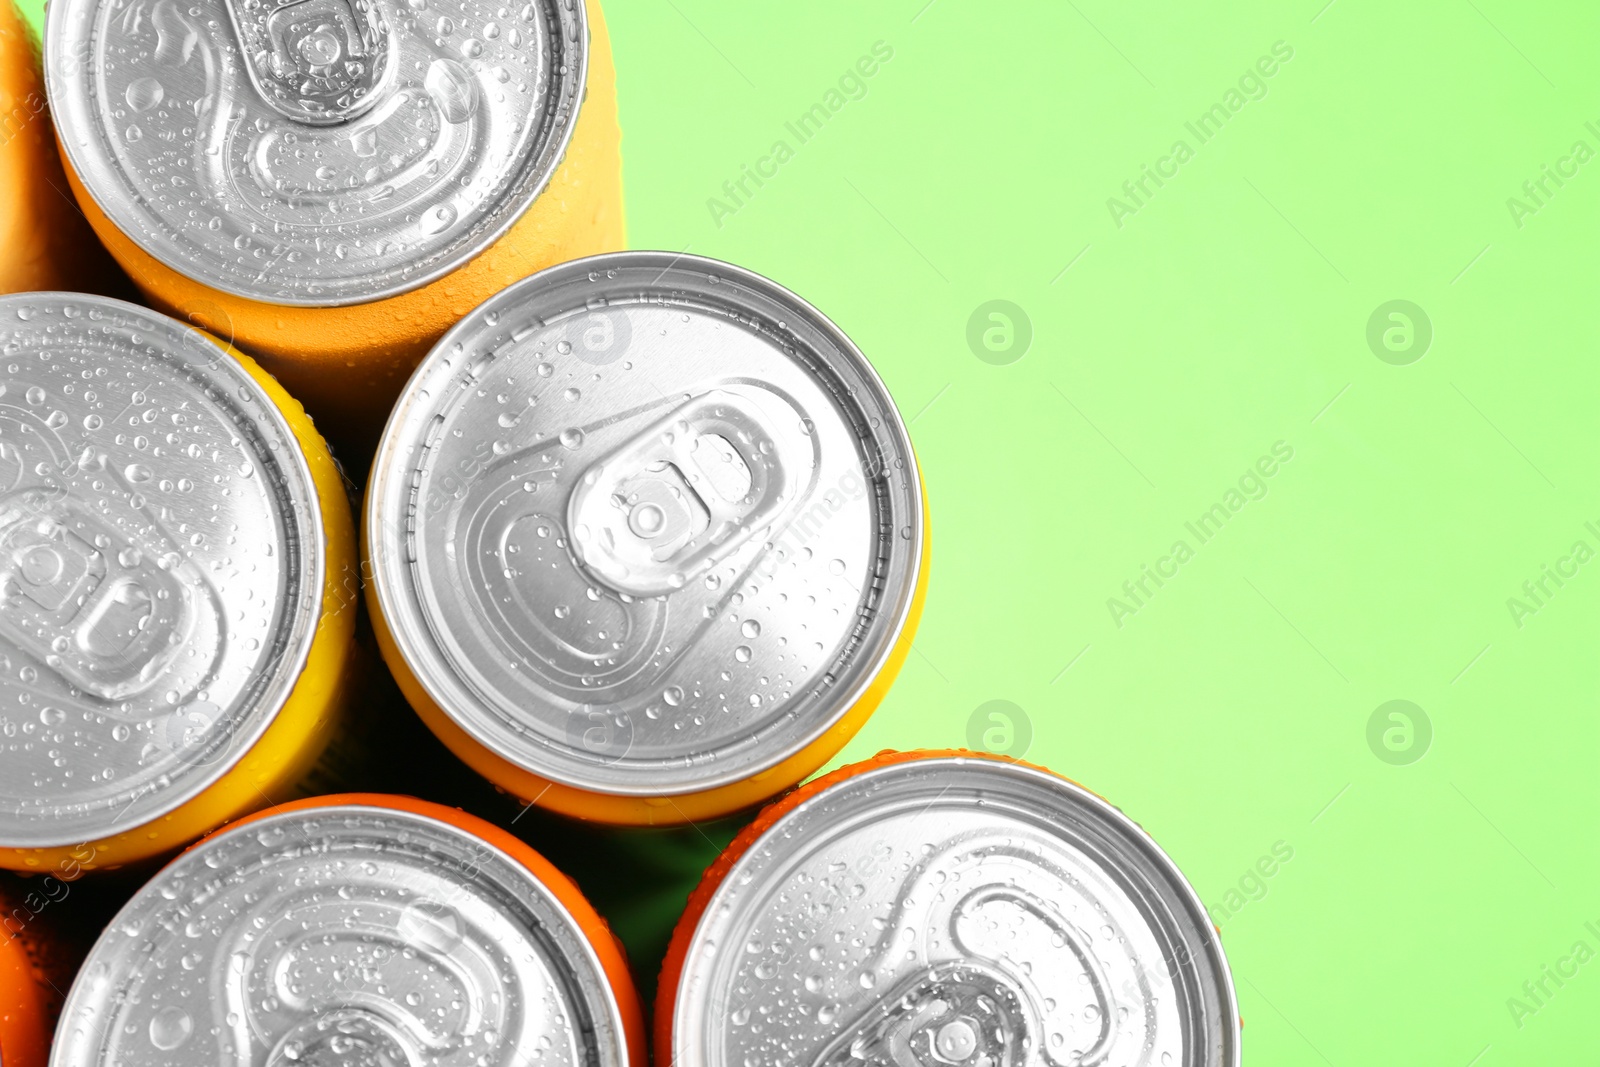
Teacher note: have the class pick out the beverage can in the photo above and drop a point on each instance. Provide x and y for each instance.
(330, 184)
(355, 929)
(44, 241)
(945, 908)
(177, 585)
(645, 539)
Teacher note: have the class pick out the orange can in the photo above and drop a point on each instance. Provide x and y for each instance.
(32, 968)
(178, 563)
(355, 929)
(646, 539)
(945, 907)
(333, 184)
(44, 241)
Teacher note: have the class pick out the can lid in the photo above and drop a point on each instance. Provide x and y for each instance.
(954, 911)
(161, 566)
(338, 935)
(315, 152)
(645, 524)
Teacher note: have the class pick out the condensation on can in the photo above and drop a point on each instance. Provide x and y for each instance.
(645, 539)
(355, 928)
(331, 185)
(179, 586)
(945, 907)
(44, 241)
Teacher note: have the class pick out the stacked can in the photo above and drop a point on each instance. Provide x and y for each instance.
(44, 241)
(358, 929)
(331, 184)
(646, 539)
(943, 908)
(34, 969)
(177, 585)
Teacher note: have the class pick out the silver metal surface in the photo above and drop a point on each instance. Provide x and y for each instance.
(954, 911)
(161, 566)
(342, 936)
(315, 152)
(645, 524)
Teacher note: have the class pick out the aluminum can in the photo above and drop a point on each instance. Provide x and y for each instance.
(945, 908)
(330, 184)
(645, 539)
(177, 585)
(44, 241)
(34, 965)
(358, 929)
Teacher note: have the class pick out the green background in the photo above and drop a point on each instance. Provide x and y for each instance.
(1229, 714)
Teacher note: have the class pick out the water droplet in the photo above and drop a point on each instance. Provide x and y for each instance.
(742, 654)
(438, 218)
(672, 695)
(452, 87)
(751, 628)
(144, 93)
(572, 438)
(170, 1027)
(137, 472)
(430, 925)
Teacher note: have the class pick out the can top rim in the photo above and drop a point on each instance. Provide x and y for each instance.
(73, 100)
(846, 804)
(241, 398)
(389, 554)
(492, 867)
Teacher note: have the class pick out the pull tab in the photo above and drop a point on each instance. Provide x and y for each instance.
(76, 594)
(689, 490)
(951, 1015)
(318, 62)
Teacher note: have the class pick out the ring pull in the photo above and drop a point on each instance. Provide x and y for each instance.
(317, 62)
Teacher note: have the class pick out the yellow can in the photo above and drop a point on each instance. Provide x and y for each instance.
(331, 186)
(177, 560)
(44, 243)
(647, 539)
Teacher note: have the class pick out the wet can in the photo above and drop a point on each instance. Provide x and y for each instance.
(645, 539)
(355, 929)
(178, 586)
(44, 241)
(330, 184)
(945, 908)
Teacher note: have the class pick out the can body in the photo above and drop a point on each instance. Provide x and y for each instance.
(32, 966)
(945, 907)
(359, 928)
(172, 509)
(44, 242)
(345, 354)
(655, 550)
